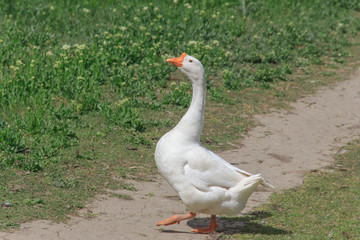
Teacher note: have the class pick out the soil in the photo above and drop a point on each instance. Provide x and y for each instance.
(284, 146)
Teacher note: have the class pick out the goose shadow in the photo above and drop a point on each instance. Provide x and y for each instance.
(242, 224)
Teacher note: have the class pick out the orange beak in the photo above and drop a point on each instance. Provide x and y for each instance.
(177, 61)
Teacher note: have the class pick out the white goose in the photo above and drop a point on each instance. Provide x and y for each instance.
(206, 183)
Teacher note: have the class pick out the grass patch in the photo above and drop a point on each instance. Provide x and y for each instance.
(325, 207)
(85, 92)
(122, 196)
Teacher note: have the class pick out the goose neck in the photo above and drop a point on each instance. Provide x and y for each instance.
(192, 123)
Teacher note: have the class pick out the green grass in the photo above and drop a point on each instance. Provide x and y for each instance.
(326, 207)
(85, 92)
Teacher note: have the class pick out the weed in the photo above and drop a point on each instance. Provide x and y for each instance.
(122, 196)
(179, 95)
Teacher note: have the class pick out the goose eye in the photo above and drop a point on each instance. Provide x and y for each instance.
(190, 60)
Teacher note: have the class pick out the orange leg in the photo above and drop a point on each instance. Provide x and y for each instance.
(176, 219)
(210, 229)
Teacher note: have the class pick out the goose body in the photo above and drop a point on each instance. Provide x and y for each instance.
(205, 182)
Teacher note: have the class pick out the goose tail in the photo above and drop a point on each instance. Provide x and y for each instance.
(246, 187)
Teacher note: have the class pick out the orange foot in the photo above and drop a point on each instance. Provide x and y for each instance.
(176, 219)
(210, 229)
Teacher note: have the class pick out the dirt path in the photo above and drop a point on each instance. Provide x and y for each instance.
(282, 149)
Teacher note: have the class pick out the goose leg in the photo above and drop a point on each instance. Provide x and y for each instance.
(176, 219)
(210, 229)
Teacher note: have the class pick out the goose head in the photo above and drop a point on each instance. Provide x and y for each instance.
(190, 66)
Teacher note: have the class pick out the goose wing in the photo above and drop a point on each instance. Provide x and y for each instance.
(205, 169)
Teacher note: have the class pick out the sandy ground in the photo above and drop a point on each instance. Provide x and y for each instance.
(282, 148)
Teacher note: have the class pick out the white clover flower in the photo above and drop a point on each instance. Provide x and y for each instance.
(19, 62)
(208, 47)
(81, 46)
(122, 28)
(192, 43)
(123, 101)
(216, 42)
(136, 19)
(202, 12)
(114, 10)
(213, 16)
(184, 84)
(49, 53)
(52, 8)
(56, 65)
(142, 28)
(81, 61)
(145, 8)
(80, 78)
(85, 10)
(175, 1)
(228, 54)
(159, 16)
(66, 46)
(156, 9)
